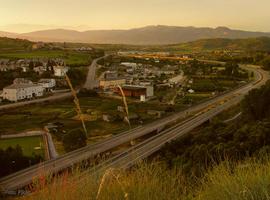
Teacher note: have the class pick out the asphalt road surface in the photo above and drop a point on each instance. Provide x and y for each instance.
(91, 81)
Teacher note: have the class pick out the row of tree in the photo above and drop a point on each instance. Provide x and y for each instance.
(12, 160)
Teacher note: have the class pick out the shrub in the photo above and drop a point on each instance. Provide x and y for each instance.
(75, 139)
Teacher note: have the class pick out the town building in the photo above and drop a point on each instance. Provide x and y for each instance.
(165, 72)
(60, 71)
(111, 83)
(137, 91)
(110, 75)
(18, 81)
(129, 64)
(17, 92)
(47, 84)
(40, 69)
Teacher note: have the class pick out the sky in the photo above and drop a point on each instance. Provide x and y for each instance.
(30, 15)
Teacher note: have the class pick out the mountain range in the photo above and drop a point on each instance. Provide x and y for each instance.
(150, 35)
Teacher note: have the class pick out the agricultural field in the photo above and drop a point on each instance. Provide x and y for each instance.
(72, 58)
(30, 145)
(37, 116)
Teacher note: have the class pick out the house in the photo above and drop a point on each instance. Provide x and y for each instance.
(60, 71)
(130, 70)
(145, 83)
(129, 64)
(47, 84)
(191, 91)
(17, 92)
(137, 91)
(84, 49)
(111, 83)
(40, 69)
(110, 75)
(18, 81)
(166, 72)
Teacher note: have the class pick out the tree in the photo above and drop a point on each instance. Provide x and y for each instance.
(12, 160)
(256, 104)
(266, 63)
(76, 76)
(231, 69)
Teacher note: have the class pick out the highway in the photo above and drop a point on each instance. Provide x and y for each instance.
(144, 149)
(198, 113)
(91, 81)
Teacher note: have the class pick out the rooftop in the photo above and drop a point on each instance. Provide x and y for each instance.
(113, 79)
(20, 86)
(45, 80)
(133, 87)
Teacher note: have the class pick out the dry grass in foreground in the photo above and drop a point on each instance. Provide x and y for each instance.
(244, 181)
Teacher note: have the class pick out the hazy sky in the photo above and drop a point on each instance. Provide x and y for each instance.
(28, 15)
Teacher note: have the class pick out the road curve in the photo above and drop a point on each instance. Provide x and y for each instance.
(25, 177)
(91, 81)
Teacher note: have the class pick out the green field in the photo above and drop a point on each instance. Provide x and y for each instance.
(37, 116)
(28, 144)
(71, 57)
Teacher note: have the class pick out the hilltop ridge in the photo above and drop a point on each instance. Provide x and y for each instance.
(149, 35)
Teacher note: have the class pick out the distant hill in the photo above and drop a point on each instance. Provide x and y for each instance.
(249, 44)
(7, 34)
(150, 35)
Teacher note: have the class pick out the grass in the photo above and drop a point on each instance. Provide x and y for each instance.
(200, 95)
(249, 180)
(146, 182)
(71, 57)
(28, 144)
(36, 116)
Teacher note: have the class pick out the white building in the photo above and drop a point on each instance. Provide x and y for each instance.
(191, 91)
(18, 81)
(17, 92)
(40, 69)
(129, 64)
(60, 71)
(166, 72)
(47, 84)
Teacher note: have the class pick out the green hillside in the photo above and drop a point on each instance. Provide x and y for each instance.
(251, 44)
(14, 44)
